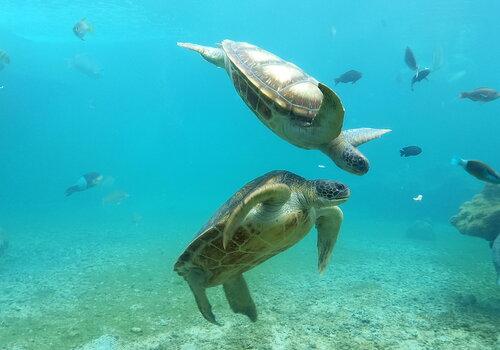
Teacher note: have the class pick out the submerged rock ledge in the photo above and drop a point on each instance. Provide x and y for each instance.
(480, 217)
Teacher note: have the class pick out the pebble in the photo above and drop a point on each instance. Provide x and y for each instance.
(136, 330)
(467, 300)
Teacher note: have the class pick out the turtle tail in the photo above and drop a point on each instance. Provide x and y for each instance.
(213, 55)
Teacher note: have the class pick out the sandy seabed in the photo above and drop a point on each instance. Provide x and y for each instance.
(113, 288)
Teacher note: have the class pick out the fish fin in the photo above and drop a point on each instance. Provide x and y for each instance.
(410, 59)
(70, 190)
(458, 161)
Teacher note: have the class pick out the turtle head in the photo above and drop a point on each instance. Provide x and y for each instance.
(330, 193)
(344, 152)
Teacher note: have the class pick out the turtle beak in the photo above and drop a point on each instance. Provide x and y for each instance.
(342, 192)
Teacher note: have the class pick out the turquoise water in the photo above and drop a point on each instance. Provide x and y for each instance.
(167, 128)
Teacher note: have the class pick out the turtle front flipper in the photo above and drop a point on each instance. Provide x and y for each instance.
(344, 153)
(330, 118)
(213, 55)
(273, 194)
(328, 226)
(196, 279)
(239, 297)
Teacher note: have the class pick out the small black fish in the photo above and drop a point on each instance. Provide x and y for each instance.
(410, 60)
(409, 151)
(351, 76)
(479, 170)
(421, 75)
(481, 95)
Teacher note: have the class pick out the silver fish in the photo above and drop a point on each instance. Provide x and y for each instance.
(81, 28)
(4, 57)
(115, 197)
(86, 65)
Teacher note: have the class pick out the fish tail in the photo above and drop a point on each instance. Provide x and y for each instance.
(463, 95)
(337, 80)
(71, 190)
(457, 161)
(401, 153)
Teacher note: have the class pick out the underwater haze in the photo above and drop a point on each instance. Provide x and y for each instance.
(173, 141)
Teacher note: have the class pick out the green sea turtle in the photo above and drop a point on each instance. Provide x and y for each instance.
(295, 106)
(265, 217)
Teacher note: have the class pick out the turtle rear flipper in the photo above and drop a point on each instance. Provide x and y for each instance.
(239, 297)
(328, 226)
(196, 280)
(357, 137)
(213, 55)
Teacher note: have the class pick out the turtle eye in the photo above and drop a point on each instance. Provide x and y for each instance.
(331, 190)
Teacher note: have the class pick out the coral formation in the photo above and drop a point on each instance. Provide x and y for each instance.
(480, 217)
